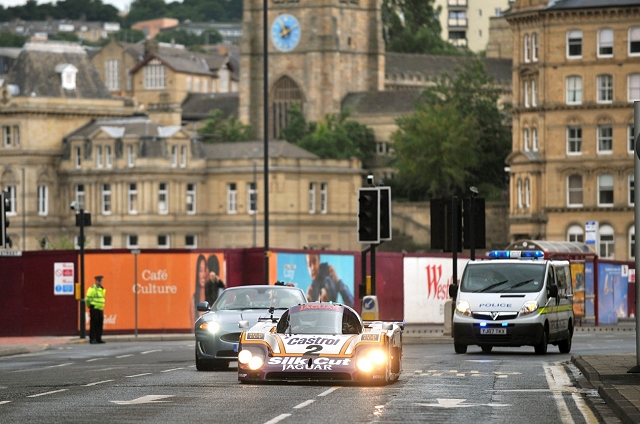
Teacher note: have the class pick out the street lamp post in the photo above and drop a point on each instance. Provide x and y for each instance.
(83, 322)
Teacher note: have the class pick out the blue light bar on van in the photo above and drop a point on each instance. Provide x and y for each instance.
(516, 254)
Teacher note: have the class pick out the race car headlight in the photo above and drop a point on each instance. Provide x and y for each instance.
(253, 358)
(210, 326)
(463, 308)
(369, 359)
(378, 357)
(364, 364)
(529, 307)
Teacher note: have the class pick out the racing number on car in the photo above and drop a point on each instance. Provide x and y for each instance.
(313, 350)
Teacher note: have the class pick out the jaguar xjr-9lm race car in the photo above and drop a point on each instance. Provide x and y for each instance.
(321, 342)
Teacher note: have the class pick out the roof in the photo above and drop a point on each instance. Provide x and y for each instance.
(383, 102)
(131, 127)
(551, 246)
(197, 106)
(429, 66)
(34, 72)
(254, 150)
(586, 4)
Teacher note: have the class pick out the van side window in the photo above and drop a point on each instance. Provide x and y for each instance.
(561, 280)
(551, 277)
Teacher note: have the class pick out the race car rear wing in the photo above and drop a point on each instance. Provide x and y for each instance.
(390, 324)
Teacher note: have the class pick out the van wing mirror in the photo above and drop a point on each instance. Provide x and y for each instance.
(553, 291)
(453, 290)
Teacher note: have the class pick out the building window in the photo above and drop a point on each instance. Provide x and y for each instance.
(312, 197)
(605, 139)
(132, 241)
(164, 241)
(130, 156)
(574, 140)
(631, 185)
(132, 199)
(107, 156)
(575, 234)
(519, 193)
(252, 198)
(527, 49)
(605, 88)
(78, 157)
(196, 84)
(163, 199)
(605, 43)
(574, 90)
(112, 75)
(106, 199)
(534, 47)
(457, 18)
(191, 241)
(11, 136)
(525, 135)
(606, 243)
(232, 198)
(534, 139)
(526, 94)
(632, 242)
(633, 87)
(574, 44)
(99, 156)
(129, 81)
(631, 137)
(174, 156)
(6, 135)
(154, 75)
(324, 200)
(80, 195)
(527, 193)
(106, 242)
(634, 41)
(534, 93)
(191, 199)
(43, 200)
(574, 190)
(183, 156)
(605, 190)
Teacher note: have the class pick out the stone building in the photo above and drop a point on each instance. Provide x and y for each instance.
(575, 78)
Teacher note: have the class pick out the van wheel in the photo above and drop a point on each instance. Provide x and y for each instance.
(541, 348)
(486, 348)
(460, 348)
(564, 346)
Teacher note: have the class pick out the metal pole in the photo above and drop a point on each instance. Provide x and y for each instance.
(636, 214)
(135, 266)
(373, 269)
(83, 321)
(255, 213)
(472, 218)
(24, 212)
(454, 236)
(265, 100)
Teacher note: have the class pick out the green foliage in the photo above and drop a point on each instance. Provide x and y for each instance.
(129, 35)
(65, 36)
(193, 10)
(90, 10)
(457, 138)
(185, 38)
(11, 40)
(63, 243)
(333, 138)
(216, 129)
(412, 26)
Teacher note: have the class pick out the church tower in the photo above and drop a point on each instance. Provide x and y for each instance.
(319, 50)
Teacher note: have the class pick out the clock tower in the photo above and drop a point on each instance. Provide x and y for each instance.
(319, 50)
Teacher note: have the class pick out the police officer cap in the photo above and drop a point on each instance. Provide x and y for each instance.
(98, 277)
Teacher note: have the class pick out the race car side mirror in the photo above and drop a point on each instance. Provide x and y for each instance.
(243, 324)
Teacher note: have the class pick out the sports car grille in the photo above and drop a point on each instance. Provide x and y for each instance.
(231, 337)
(305, 376)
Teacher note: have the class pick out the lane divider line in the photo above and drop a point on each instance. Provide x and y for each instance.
(48, 393)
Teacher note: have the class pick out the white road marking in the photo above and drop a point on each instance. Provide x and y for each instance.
(558, 380)
(94, 359)
(48, 393)
(137, 375)
(123, 356)
(326, 392)
(2, 402)
(59, 365)
(303, 404)
(108, 369)
(458, 403)
(150, 351)
(278, 419)
(97, 382)
(172, 369)
(144, 399)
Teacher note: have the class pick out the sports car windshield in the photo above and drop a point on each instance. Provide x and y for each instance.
(525, 277)
(259, 298)
(319, 318)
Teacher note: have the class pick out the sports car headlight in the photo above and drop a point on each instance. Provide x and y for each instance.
(210, 326)
(463, 308)
(367, 360)
(253, 358)
(529, 307)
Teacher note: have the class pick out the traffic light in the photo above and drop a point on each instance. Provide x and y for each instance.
(442, 224)
(4, 221)
(385, 213)
(474, 220)
(369, 215)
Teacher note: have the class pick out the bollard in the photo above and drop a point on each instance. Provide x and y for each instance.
(448, 316)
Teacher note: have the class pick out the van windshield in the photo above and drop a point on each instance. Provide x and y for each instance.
(514, 277)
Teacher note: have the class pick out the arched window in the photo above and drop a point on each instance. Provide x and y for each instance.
(525, 134)
(527, 193)
(285, 94)
(606, 242)
(519, 194)
(575, 234)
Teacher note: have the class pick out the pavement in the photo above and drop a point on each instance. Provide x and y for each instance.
(608, 374)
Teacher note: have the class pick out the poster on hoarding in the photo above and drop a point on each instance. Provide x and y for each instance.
(426, 288)
(325, 277)
(612, 292)
(577, 281)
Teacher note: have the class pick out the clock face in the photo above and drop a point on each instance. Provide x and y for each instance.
(285, 32)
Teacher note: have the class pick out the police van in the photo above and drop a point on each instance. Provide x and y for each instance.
(517, 298)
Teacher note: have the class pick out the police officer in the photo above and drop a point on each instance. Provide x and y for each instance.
(95, 303)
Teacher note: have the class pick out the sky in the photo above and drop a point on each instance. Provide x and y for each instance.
(122, 5)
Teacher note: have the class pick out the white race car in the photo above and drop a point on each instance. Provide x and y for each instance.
(322, 342)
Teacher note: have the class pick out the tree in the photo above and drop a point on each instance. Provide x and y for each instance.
(216, 129)
(11, 40)
(412, 26)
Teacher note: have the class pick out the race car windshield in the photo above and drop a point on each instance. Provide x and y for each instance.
(500, 278)
(258, 298)
(319, 322)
